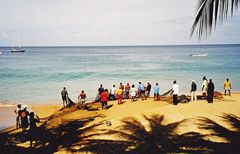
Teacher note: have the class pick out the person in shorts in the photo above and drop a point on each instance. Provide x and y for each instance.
(227, 87)
(64, 94)
(82, 99)
(156, 92)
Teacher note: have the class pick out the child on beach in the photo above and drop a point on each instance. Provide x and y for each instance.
(33, 128)
(82, 96)
(227, 87)
(18, 116)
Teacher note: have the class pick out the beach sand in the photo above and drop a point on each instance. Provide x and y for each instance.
(189, 112)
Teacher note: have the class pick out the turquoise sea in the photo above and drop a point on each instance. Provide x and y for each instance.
(38, 75)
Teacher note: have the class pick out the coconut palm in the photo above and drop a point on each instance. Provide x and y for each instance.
(209, 13)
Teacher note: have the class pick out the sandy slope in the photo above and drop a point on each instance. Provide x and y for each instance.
(190, 111)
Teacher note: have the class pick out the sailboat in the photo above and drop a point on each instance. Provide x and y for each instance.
(17, 49)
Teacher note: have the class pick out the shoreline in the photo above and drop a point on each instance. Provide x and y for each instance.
(89, 100)
(43, 110)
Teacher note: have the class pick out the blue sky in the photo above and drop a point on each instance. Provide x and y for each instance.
(105, 22)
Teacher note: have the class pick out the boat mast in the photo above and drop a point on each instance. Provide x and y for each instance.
(19, 42)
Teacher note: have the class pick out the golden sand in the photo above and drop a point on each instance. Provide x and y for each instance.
(190, 112)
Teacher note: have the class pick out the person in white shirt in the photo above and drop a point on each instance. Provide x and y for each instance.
(175, 91)
(133, 93)
(204, 87)
(113, 94)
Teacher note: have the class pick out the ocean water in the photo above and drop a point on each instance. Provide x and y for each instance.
(38, 75)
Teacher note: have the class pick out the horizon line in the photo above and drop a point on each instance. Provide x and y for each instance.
(146, 45)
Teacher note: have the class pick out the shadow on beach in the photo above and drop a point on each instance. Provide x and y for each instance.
(131, 137)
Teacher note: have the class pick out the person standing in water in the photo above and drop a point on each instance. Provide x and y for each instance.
(64, 94)
(227, 87)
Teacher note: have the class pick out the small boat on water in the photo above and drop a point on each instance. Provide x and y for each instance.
(19, 49)
(198, 55)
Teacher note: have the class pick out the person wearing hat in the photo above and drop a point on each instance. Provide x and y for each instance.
(193, 91)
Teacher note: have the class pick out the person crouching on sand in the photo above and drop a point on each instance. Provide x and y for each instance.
(120, 95)
(82, 99)
(104, 99)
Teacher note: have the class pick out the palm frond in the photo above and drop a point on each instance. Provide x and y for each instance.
(209, 13)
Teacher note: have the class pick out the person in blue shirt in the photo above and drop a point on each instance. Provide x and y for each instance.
(156, 92)
(142, 91)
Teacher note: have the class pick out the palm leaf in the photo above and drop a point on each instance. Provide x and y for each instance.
(209, 12)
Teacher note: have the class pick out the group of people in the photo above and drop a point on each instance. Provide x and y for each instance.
(208, 89)
(24, 119)
(142, 91)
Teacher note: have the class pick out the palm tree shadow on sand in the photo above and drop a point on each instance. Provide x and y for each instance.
(136, 138)
(48, 141)
(231, 134)
(133, 137)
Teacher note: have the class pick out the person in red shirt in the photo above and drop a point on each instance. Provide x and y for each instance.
(104, 99)
(82, 96)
